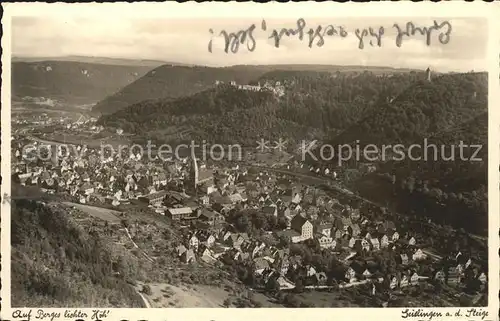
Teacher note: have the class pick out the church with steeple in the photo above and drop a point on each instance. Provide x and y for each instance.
(194, 173)
(200, 177)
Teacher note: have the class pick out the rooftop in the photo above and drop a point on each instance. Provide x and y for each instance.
(180, 210)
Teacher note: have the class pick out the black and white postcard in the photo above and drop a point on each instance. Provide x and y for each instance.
(239, 155)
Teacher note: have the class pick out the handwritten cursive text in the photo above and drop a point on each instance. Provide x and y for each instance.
(277, 35)
(233, 40)
(317, 35)
(411, 30)
(320, 34)
(360, 34)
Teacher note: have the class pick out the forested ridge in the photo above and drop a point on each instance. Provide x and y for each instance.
(451, 186)
(174, 81)
(319, 103)
(421, 110)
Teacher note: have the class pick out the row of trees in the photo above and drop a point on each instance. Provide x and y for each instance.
(254, 221)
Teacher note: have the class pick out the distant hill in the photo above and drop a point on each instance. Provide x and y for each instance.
(70, 82)
(97, 60)
(170, 81)
(346, 69)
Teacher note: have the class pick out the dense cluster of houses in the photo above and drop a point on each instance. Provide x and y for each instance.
(345, 232)
(309, 214)
(88, 178)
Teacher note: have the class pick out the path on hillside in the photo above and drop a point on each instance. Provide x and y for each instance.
(146, 302)
(130, 237)
(137, 247)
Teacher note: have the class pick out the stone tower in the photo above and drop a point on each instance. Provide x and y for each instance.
(428, 74)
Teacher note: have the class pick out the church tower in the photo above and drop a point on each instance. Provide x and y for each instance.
(194, 170)
(53, 155)
(428, 74)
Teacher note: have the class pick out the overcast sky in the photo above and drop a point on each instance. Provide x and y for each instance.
(186, 41)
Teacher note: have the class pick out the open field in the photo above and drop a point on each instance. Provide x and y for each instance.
(326, 299)
(169, 296)
(99, 212)
(164, 295)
